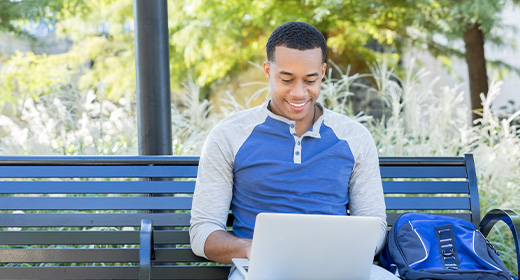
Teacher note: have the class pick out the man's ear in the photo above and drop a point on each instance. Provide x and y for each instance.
(324, 68)
(267, 70)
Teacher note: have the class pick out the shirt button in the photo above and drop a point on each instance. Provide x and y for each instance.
(298, 143)
(297, 153)
(292, 125)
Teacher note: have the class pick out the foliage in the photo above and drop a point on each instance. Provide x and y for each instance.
(440, 25)
(14, 15)
(70, 122)
(191, 124)
(102, 51)
(214, 38)
(210, 40)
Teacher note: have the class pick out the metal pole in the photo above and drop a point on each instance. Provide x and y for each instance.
(152, 67)
(152, 62)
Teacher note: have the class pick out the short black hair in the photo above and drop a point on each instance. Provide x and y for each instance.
(296, 35)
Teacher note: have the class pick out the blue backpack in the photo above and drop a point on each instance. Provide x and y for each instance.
(426, 246)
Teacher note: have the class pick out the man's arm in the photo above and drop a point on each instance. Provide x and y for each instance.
(366, 196)
(222, 246)
(211, 201)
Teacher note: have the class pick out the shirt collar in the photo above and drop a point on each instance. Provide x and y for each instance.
(314, 130)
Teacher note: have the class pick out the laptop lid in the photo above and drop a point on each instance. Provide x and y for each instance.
(298, 246)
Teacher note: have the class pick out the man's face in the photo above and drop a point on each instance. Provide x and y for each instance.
(295, 78)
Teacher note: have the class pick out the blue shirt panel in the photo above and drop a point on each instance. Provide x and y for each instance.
(266, 179)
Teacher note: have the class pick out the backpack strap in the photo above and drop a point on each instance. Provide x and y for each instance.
(447, 247)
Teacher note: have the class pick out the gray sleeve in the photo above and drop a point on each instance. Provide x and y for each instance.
(214, 186)
(366, 196)
(213, 190)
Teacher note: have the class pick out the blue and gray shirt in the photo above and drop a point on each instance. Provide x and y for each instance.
(253, 161)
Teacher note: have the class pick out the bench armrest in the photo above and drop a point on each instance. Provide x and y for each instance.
(510, 218)
(146, 249)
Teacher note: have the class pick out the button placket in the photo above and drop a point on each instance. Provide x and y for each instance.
(297, 154)
(297, 150)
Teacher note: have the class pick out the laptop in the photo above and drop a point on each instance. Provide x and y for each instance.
(311, 247)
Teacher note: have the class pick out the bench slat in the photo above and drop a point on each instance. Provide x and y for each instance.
(90, 187)
(392, 217)
(89, 237)
(176, 255)
(163, 237)
(422, 161)
(68, 237)
(427, 203)
(95, 203)
(70, 272)
(187, 187)
(115, 272)
(87, 255)
(68, 255)
(93, 220)
(99, 160)
(98, 171)
(406, 187)
(423, 172)
(191, 272)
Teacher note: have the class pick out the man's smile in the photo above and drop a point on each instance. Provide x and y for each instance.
(297, 104)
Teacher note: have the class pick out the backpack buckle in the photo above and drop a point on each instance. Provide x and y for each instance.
(447, 247)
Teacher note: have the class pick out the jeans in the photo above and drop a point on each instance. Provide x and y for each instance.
(377, 273)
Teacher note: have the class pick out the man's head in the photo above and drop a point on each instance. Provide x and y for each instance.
(296, 35)
(296, 54)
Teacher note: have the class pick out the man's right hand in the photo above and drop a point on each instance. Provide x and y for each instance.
(222, 246)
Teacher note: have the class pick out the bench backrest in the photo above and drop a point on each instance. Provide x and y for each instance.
(84, 213)
(443, 185)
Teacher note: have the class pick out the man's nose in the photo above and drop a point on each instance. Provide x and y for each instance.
(299, 89)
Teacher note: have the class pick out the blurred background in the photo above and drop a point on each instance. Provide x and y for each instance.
(77, 57)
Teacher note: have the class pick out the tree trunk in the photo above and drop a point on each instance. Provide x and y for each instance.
(476, 61)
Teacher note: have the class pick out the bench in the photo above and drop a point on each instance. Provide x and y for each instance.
(127, 217)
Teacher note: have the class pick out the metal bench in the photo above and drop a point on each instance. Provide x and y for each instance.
(99, 217)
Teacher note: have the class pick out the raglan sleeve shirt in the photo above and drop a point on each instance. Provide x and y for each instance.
(215, 180)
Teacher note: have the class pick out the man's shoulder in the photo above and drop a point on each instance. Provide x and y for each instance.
(242, 119)
(233, 130)
(344, 126)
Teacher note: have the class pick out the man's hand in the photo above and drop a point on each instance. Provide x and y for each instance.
(222, 246)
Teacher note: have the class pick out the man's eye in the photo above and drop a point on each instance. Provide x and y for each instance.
(286, 81)
(311, 82)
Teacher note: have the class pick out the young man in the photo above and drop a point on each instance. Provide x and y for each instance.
(289, 155)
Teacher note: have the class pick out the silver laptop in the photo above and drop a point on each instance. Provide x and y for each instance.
(305, 247)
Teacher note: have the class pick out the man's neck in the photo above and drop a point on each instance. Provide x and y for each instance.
(304, 125)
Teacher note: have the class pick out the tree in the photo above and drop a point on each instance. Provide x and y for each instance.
(475, 22)
(101, 58)
(214, 38)
(14, 15)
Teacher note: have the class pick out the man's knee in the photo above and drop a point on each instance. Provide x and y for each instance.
(379, 273)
